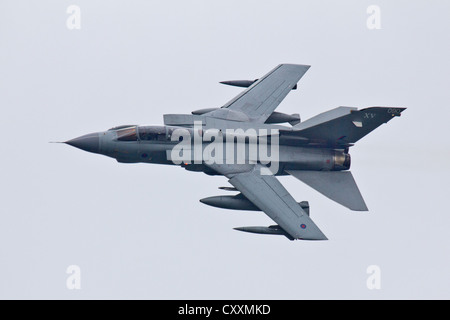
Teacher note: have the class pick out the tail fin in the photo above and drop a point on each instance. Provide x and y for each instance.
(339, 186)
(345, 125)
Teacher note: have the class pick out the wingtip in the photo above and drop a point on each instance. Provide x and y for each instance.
(307, 66)
(323, 238)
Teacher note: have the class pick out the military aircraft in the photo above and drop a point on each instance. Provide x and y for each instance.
(315, 151)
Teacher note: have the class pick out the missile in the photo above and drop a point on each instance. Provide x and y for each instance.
(244, 83)
(239, 83)
(240, 202)
(279, 117)
(276, 230)
(237, 202)
(203, 111)
(228, 188)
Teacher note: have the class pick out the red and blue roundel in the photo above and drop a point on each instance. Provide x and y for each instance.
(303, 226)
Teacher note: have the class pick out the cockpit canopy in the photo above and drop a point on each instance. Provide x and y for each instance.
(152, 133)
(143, 133)
(127, 134)
(122, 127)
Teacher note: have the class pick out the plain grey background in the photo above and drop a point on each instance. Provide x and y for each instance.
(138, 231)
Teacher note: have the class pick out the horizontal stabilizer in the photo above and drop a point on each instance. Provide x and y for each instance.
(339, 186)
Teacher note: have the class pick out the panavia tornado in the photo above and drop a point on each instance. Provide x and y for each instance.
(251, 144)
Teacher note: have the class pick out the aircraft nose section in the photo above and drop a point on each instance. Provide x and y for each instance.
(88, 142)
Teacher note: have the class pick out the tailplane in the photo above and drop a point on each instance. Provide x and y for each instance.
(339, 186)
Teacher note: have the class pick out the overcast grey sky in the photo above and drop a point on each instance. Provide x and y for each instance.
(139, 231)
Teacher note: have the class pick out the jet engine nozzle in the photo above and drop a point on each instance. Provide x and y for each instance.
(341, 160)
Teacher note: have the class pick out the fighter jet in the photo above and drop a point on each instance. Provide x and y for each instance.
(251, 144)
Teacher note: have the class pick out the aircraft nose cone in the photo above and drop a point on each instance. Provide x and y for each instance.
(89, 142)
